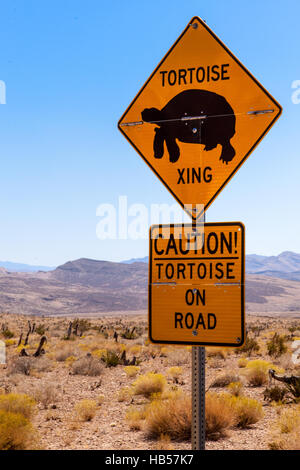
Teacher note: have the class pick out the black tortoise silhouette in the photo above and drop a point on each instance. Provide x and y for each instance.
(218, 127)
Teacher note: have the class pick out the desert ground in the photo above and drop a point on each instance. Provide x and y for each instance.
(98, 383)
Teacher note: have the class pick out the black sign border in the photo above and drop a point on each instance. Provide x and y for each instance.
(200, 213)
(192, 343)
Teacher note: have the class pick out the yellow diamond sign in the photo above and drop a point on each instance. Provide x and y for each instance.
(198, 117)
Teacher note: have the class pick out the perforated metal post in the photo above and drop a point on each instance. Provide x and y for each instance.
(198, 398)
(198, 390)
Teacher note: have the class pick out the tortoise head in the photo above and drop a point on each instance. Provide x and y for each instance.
(151, 115)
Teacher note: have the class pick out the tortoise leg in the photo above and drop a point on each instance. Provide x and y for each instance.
(158, 144)
(210, 147)
(228, 152)
(173, 149)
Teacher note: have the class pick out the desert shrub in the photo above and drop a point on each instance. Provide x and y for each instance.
(235, 388)
(225, 379)
(81, 324)
(111, 358)
(149, 384)
(286, 432)
(250, 346)
(135, 350)
(257, 373)
(135, 418)
(215, 363)
(41, 364)
(101, 399)
(7, 333)
(17, 403)
(131, 371)
(21, 365)
(289, 420)
(277, 345)
(46, 394)
(16, 432)
(40, 329)
(170, 417)
(275, 393)
(87, 366)
(242, 362)
(257, 377)
(178, 357)
(70, 360)
(129, 333)
(219, 416)
(294, 328)
(99, 353)
(63, 354)
(124, 394)
(247, 411)
(216, 352)
(294, 389)
(175, 373)
(86, 409)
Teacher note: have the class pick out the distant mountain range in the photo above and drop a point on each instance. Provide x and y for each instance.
(23, 268)
(284, 266)
(92, 287)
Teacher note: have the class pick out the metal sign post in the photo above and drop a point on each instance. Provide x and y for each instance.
(198, 398)
(198, 392)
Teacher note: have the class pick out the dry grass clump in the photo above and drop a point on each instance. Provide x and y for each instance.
(46, 394)
(177, 357)
(41, 364)
(170, 417)
(18, 403)
(286, 432)
(277, 345)
(132, 371)
(124, 394)
(247, 411)
(220, 353)
(275, 394)
(250, 346)
(257, 372)
(164, 443)
(26, 365)
(225, 379)
(86, 409)
(135, 418)
(16, 432)
(87, 366)
(219, 416)
(149, 384)
(242, 362)
(175, 373)
(64, 353)
(20, 365)
(135, 350)
(235, 389)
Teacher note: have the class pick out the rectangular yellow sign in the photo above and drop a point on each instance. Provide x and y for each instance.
(196, 284)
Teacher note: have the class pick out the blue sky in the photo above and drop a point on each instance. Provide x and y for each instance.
(71, 68)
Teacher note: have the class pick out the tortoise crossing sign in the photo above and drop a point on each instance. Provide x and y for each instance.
(196, 284)
(198, 117)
